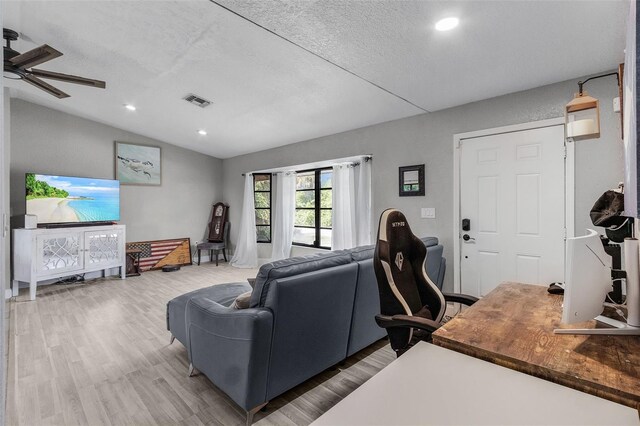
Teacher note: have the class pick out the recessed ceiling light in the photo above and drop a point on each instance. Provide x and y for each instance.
(202, 132)
(130, 107)
(447, 24)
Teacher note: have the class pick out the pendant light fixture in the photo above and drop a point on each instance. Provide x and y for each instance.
(582, 114)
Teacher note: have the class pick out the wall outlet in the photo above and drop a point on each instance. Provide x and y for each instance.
(428, 213)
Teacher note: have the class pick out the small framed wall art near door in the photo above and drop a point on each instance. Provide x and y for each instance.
(138, 164)
(411, 180)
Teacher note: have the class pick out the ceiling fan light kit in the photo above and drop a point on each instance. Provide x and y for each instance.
(19, 66)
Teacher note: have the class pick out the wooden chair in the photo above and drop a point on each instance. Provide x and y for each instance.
(215, 247)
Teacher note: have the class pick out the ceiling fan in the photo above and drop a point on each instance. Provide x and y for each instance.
(18, 66)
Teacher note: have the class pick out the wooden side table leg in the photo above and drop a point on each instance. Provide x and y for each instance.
(137, 263)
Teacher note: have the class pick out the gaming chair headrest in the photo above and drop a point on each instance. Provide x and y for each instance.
(394, 229)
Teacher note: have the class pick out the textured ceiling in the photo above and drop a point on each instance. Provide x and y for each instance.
(499, 47)
(268, 92)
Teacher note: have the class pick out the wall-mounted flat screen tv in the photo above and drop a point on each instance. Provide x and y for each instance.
(66, 199)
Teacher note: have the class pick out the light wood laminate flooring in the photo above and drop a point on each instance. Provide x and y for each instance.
(98, 353)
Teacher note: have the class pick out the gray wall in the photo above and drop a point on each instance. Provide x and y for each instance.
(428, 138)
(51, 142)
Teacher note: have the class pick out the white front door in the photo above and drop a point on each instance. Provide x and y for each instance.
(512, 193)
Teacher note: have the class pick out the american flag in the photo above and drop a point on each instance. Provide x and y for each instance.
(154, 251)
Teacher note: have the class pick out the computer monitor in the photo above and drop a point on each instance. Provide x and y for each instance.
(587, 278)
(587, 282)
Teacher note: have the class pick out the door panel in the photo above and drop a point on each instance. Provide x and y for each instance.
(104, 248)
(512, 190)
(58, 253)
(488, 204)
(528, 204)
(527, 268)
(489, 267)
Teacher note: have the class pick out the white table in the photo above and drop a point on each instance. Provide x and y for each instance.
(433, 385)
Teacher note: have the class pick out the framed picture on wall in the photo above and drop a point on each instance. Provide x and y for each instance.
(138, 164)
(411, 180)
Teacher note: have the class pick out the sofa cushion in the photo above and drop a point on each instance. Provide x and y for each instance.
(294, 266)
(366, 252)
(362, 253)
(242, 301)
(429, 241)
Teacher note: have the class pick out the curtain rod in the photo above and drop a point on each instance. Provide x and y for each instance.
(364, 157)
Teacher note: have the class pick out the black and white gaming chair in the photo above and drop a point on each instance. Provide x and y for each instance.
(411, 305)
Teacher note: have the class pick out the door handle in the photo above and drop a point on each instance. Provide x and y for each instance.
(466, 237)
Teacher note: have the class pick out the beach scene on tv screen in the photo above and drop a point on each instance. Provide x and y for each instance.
(62, 199)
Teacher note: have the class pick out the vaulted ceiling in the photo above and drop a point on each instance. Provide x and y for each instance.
(283, 71)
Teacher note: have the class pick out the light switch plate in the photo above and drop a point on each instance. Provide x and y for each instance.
(428, 213)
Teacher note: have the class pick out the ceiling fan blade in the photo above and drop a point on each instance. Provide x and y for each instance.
(45, 86)
(35, 56)
(67, 78)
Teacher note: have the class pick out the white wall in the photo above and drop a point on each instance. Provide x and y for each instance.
(428, 139)
(5, 167)
(5, 250)
(51, 142)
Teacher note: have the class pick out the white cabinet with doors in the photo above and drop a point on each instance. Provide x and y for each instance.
(45, 254)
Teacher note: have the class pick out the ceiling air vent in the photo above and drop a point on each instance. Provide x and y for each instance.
(197, 101)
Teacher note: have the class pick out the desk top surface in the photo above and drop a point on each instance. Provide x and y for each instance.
(432, 385)
(513, 326)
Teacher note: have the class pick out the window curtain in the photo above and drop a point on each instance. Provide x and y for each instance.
(363, 210)
(343, 232)
(630, 118)
(246, 252)
(284, 211)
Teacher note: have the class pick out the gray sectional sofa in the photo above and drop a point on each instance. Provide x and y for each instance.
(305, 315)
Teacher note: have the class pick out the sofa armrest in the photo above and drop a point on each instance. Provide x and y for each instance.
(231, 347)
(465, 299)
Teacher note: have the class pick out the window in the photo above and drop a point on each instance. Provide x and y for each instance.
(262, 200)
(313, 208)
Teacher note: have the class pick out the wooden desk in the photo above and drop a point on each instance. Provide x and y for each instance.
(436, 386)
(513, 326)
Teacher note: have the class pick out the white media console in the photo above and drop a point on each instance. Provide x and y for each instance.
(44, 254)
